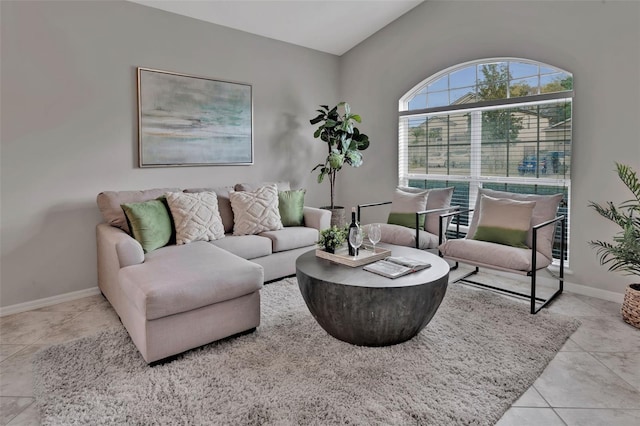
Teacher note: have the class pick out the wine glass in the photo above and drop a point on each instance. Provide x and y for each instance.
(374, 235)
(355, 238)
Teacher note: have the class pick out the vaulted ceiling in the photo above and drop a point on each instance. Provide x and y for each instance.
(333, 26)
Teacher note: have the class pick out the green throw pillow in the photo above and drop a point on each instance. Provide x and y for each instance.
(150, 223)
(504, 221)
(291, 206)
(406, 219)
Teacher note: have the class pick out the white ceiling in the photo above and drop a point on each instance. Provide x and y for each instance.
(332, 26)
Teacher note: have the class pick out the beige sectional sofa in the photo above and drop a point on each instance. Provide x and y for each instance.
(179, 297)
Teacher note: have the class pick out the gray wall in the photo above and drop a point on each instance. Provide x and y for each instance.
(598, 42)
(69, 123)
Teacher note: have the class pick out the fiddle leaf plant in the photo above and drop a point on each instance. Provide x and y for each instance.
(344, 142)
(624, 254)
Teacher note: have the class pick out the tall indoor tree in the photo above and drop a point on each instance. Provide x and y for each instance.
(344, 142)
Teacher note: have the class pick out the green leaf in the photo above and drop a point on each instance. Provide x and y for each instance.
(363, 141)
(624, 254)
(317, 132)
(354, 158)
(336, 160)
(345, 141)
(317, 119)
(357, 118)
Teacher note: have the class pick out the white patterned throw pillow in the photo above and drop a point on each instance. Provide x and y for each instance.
(196, 216)
(255, 211)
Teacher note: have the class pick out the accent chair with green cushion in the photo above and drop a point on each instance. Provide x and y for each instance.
(513, 233)
(411, 207)
(504, 221)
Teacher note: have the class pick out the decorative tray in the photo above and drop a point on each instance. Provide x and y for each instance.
(365, 256)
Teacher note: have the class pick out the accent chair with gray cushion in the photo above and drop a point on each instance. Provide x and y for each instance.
(513, 233)
(199, 280)
(414, 218)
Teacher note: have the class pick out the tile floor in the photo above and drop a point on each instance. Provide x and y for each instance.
(593, 380)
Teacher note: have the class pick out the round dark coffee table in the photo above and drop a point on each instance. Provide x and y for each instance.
(367, 309)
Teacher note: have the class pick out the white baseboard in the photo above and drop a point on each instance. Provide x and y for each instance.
(47, 301)
(570, 287)
(594, 292)
(550, 281)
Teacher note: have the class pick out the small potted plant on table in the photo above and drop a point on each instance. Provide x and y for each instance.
(332, 238)
(624, 253)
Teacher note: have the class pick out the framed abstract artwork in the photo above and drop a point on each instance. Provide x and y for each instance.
(185, 120)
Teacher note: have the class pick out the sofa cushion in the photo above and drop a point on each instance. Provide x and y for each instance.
(224, 204)
(109, 203)
(282, 186)
(492, 255)
(504, 221)
(245, 246)
(291, 207)
(546, 209)
(291, 238)
(176, 279)
(403, 236)
(255, 211)
(150, 223)
(196, 216)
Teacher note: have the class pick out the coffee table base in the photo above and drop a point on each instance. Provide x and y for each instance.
(367, 316)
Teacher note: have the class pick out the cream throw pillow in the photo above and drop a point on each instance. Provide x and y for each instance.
(404, 207)
(255, 211)
(196, 216)
(504, 221)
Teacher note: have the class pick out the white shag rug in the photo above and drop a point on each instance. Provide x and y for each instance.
(478, 354)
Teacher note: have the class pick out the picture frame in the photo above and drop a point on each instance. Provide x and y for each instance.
(186, 120)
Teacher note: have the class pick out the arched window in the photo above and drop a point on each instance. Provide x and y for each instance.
(500, 123)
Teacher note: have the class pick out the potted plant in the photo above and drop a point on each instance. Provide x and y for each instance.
(332, 238)
(624, 254)
(344, 143)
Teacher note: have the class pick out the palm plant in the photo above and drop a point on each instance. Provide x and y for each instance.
(344, 141)
(624, 253)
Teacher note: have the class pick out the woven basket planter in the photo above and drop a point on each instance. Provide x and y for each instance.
(631, 305)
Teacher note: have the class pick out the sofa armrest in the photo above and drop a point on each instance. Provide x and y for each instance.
(126, 248)
(130, 252)
(316, 218)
